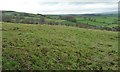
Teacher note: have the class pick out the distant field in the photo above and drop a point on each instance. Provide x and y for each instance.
(92, 21)
(106, 21)
(27, 46)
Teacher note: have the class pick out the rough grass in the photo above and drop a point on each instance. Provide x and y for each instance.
(27, 46)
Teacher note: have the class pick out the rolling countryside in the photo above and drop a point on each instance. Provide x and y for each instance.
(59, 42)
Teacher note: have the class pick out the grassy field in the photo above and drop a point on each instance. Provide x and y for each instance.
(28, 46)
(106, 21)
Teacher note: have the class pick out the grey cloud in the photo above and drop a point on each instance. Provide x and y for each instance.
(79, 8)
(61, 6)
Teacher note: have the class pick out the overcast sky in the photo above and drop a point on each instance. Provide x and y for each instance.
(60, 7)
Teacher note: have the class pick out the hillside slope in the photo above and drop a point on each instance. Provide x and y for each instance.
(27, 46)
(107, 22)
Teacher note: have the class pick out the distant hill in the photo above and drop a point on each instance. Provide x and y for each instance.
(107, 21)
